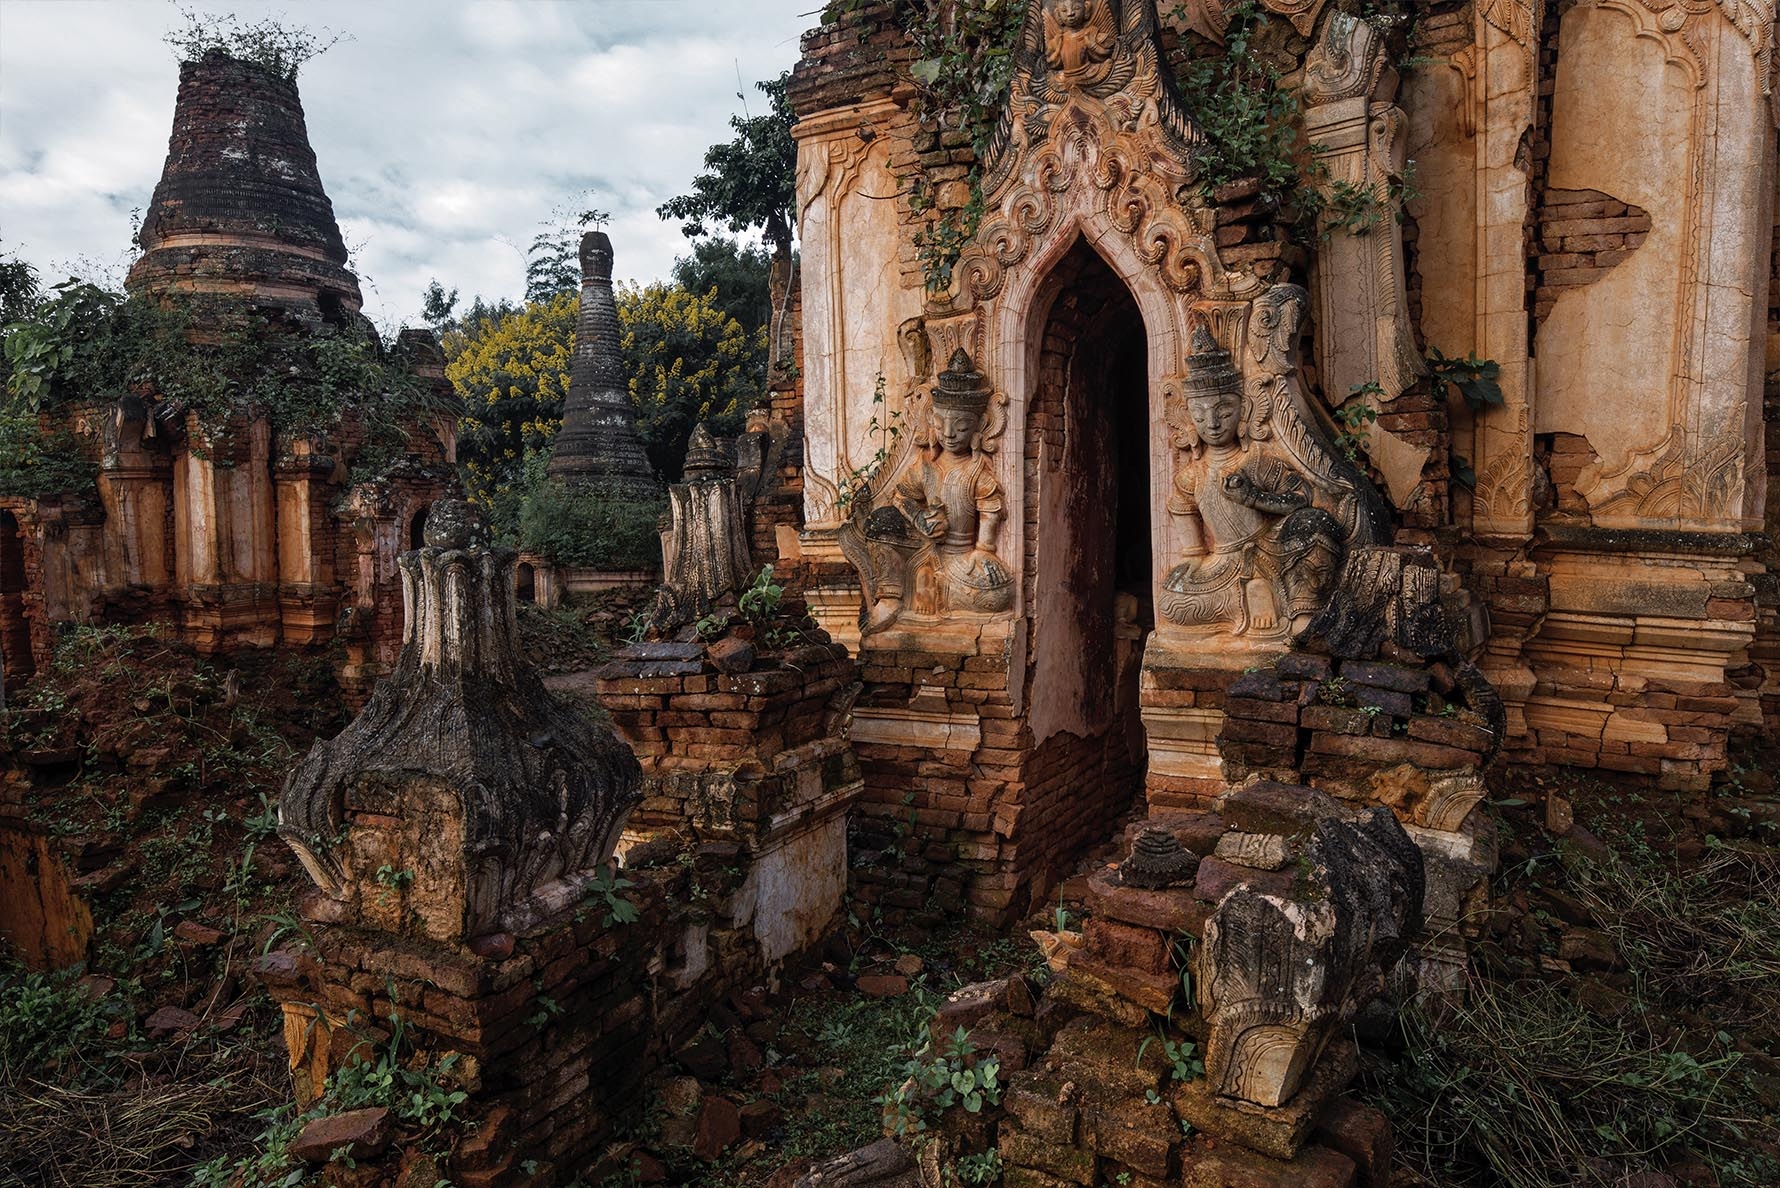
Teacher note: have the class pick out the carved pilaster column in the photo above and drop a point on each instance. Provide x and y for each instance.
(1357, 136)
(308, 598)
(1502, 73)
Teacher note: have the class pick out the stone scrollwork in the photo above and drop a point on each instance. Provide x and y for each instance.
(1092, 105)
(1210, 18)
(1753, 19)
(1685, 477)
(930, 547)
(1265, 508)
(1347, 63)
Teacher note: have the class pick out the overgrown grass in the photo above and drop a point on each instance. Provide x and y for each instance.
(424, 1094)
(1546, 1077)
(49, 1025)
(868, 1041)
(1522, 1086)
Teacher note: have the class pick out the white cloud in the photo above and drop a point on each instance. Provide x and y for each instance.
(446, 132)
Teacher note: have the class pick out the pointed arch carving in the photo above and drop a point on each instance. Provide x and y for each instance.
(1107, 143)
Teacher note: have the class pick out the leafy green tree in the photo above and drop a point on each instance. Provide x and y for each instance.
(18, 295)
(688, 361)
(552, 265)
(751, 182)
(438, 308)
(18, 289)
(739, 275)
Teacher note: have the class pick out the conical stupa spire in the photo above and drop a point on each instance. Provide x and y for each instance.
(598, 441)
(240, 208)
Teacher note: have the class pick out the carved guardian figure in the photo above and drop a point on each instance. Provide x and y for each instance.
(931, 549)
(1259, 552)
(1279, 975)
(1267, 506)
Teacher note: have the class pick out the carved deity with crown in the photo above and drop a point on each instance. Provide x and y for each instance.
(1260, 552)
(1080, 38)
(931, 549)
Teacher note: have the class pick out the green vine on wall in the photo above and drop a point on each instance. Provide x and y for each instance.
(219, 359)
(1253, 122)
(964, 66)
(1249, 120)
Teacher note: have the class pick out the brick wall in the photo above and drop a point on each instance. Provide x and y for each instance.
(1582, 234)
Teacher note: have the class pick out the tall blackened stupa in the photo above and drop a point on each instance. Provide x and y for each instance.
(598, 441)
(240, 210)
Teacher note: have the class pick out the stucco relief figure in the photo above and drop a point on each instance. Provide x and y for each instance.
(1080, 38)
(931, 550)
(1260, 553)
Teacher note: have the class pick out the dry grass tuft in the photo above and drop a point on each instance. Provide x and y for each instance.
(123, 1138)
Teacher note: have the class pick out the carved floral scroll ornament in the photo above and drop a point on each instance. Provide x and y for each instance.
(1688, 20)
(1113, 125)
(1210, 18)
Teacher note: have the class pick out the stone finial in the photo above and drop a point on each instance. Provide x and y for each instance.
(596, 257)
(1157, 860)
(466, 799)
(1279, 975)
(705, 458)
(704, 551)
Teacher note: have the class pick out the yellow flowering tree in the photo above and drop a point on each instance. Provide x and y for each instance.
(511, 370)
(686, 358)
(688, 361)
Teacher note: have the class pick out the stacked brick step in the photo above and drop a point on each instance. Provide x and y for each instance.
(1350, 726)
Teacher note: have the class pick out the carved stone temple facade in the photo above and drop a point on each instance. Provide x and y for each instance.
(1062, 496)
(247, 536)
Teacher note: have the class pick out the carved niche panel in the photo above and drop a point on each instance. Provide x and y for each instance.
(1671, 331)
(854, 306)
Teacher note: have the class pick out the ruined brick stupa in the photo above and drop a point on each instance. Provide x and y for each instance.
(240, 209)
(598, 443)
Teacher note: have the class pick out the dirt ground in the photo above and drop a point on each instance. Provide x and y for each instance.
(1621, 1026)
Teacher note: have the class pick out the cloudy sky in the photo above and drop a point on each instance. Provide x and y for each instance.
(448, 132)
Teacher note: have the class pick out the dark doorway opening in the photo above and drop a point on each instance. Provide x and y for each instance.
(417, 529)
(1089, 430)
(525, 587)
(16, 661)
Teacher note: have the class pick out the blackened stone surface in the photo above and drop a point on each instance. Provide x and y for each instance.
(598, 441)
(240, 206)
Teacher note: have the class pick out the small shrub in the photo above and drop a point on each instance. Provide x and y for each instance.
(938, 1078)
(46, 1021)
(420, 1091)
(571, 525)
